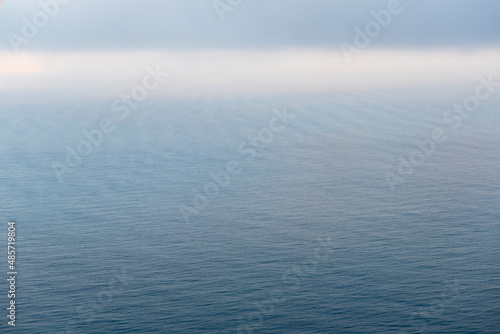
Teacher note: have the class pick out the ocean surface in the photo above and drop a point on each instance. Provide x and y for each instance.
(307, 236)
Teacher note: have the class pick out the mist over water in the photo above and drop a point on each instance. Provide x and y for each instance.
(229, 166)
(307, 238)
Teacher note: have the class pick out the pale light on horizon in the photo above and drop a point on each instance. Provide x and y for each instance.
(238, 72)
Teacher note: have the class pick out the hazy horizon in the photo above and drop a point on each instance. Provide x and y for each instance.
(250, 166)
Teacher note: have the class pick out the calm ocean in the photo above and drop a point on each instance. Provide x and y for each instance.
(307, 236)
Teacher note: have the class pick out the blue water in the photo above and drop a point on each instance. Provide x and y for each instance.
(307, 238)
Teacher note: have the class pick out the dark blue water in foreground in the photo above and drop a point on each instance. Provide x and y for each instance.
(307, 238)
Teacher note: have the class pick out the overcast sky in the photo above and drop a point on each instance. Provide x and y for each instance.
(180, 24)
(265, 44)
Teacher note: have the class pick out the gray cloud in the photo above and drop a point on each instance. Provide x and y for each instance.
(257, 24)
